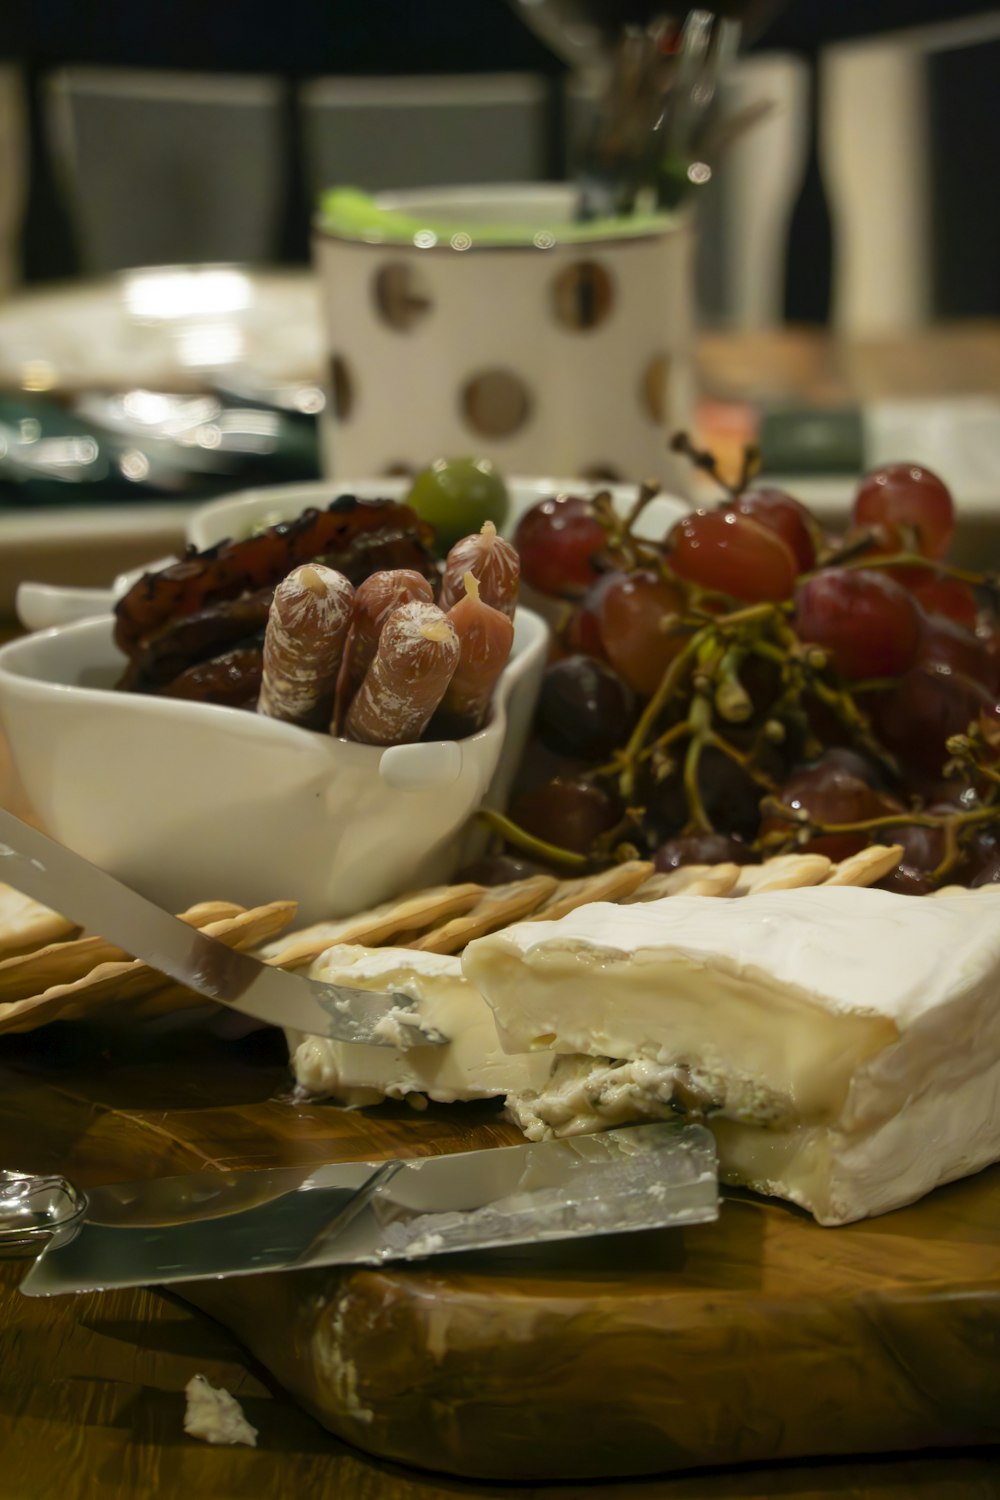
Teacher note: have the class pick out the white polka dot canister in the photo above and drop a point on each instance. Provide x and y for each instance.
(487, 320)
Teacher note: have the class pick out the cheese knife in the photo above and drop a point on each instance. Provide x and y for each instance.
(49, 872)
(219, 1224)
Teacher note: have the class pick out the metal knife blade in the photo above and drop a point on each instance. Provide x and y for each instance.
(82, 892)
(215, 1224)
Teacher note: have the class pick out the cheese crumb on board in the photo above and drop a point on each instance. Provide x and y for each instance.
(215, 1416)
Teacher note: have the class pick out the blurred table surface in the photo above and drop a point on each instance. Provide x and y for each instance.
(90, 1389)
(815, 367)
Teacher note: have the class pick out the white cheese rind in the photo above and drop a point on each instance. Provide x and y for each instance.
(911, 1057)
(472, 1065)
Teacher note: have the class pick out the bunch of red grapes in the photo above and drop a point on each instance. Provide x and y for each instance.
(747, 685)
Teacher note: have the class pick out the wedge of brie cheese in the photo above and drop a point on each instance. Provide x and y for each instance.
(472, 1065)
(844, 1043)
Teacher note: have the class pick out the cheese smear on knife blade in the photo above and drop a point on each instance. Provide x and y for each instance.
(843, 1043)
(472, 1065)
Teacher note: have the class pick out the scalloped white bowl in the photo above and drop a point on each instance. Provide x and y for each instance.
(190, 801)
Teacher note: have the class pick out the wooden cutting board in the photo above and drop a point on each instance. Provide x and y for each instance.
(760, 1338)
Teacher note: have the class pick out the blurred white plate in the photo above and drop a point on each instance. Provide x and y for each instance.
(167, 327)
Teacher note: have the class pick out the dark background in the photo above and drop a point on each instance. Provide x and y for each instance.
(297, 39)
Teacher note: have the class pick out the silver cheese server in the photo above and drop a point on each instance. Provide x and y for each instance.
(83, 893)
(217, 1224)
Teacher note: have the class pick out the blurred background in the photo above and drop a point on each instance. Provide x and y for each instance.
(175, 131)
(847, 230)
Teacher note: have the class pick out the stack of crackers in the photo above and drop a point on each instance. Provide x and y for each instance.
(50, 972)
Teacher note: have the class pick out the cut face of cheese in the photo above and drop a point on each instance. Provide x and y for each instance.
(844, 1043)
(472, 1065)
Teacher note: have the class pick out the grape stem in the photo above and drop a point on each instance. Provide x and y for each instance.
(914, 560)
(648, 490)
(700, 720)
(668, 682)
(521, 839)
(707, 462)
(963, 748)
(701, 459)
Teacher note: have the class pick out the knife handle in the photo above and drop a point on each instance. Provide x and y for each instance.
(35, 1211)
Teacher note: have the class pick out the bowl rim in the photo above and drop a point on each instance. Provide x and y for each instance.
(16, 681)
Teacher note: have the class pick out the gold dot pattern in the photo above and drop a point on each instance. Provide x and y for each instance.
(495, 403)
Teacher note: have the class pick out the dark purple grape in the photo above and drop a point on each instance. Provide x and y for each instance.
(853, 763)
(584, 708)
(501, 869)
(906, 880)
(569, 814)
(831, 794)
(923, 848)
(988, 872)
(917, 716)
(729, 795)
(702, 849)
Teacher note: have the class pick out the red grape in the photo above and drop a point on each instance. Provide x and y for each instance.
(570, 814)
(731, 554)
(557, 540)
(910, 495)
(944, 643)
(944, 596)
(631, 610)
(702, 849)
(786, 517)
(868, 625)
(584, 709)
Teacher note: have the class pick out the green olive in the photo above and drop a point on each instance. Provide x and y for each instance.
(456, 495)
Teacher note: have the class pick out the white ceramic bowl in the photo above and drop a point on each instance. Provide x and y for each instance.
(190, 801)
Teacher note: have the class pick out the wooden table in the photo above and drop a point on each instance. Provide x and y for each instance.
(90, 1390)
(808, 365)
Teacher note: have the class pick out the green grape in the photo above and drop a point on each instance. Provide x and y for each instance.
(456, 495)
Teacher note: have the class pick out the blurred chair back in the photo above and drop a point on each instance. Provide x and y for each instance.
(168, 167)
(878, 165)
(747, 206)
(13, 176)
(379, 133)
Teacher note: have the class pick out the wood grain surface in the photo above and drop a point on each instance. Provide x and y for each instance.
(94, 1384)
